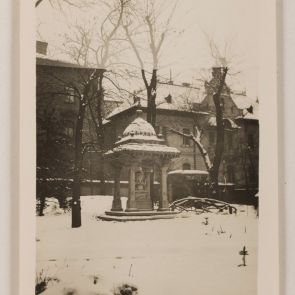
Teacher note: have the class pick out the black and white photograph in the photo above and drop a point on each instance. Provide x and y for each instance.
(147, 147)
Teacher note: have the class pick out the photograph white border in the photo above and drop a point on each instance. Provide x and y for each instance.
(268, 261)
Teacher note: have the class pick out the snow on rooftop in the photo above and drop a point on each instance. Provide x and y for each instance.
(254, 115)
(242, 101)
(44, 60)
(179, 98)
(212, 122)
(169, 97)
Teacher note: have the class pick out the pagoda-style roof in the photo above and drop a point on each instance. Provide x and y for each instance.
(140, 138)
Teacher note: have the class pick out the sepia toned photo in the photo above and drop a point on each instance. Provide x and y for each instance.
(147, 147)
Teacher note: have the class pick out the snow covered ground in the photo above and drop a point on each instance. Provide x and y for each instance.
(159, 257)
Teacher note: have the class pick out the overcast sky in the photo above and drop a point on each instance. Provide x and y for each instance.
(186, 51)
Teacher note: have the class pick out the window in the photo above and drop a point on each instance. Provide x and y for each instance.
(69, 131)
(164, 132)
(161, 130)
(211, 137)
(186, 141)
(186, 166)
(230, 140)
(252, 175)
(157, 129)
(251, 141)
(230, 174)
(70, 95)
(222, 103)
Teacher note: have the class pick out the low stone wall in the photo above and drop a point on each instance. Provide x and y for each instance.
(94, 188)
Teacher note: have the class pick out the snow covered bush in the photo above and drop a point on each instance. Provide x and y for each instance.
(51, 207)
(53, 188)
(41, 282)
(125, 289)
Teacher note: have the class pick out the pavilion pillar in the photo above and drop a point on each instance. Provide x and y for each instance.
(131, 204)
(170, 191)
(117, 204)
(164, 203)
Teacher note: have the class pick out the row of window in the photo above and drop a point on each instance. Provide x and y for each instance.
(187, 141)
(230, 173)
(69, 131)
(229, 139)
(232, 109)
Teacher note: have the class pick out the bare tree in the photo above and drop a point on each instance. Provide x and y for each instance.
(59, 3)
(216, 86)
(81, 85)
(89, 90)
(96, 46)
(156, 32)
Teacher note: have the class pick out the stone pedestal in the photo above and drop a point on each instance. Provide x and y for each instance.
(139, 198)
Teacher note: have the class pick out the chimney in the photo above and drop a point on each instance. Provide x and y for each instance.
(41, 47)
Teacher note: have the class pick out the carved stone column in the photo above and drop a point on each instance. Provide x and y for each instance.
(117, 204)
(170, 191)
(131, 204)
(164, 204)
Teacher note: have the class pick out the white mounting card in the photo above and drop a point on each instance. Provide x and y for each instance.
(148, 147)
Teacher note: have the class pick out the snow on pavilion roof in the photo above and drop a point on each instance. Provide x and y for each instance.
(140, 137)
(139, 127)
(145, 148)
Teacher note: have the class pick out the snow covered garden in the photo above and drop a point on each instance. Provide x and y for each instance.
(190, 254)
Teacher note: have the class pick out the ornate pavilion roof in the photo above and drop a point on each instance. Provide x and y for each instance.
(140, 138)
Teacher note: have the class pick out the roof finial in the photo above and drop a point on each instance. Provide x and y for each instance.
(139, 113)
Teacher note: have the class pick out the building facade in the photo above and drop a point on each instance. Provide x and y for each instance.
(180, 107)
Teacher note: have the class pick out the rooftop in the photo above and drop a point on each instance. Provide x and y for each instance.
(176, 97)
(42, 60)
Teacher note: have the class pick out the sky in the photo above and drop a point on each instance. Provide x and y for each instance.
(185, 51)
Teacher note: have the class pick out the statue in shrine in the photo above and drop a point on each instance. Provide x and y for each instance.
(140, 180)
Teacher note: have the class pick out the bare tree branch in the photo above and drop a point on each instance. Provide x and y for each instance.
(196, 139)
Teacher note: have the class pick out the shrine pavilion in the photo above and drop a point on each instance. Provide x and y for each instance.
(140, 150)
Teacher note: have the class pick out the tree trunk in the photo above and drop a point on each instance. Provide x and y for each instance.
(97, 118)
(76, 204)
(101, 134)
(153, 86)
(43, 198)
(219, 147)
(151, 90)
